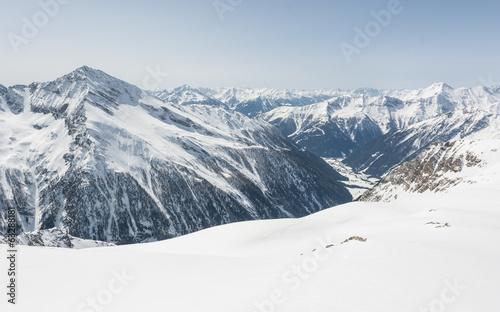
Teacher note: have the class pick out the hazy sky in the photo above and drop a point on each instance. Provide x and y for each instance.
(258, 43)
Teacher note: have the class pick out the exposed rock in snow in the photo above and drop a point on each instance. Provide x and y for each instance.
(438, 168)
(53, 238)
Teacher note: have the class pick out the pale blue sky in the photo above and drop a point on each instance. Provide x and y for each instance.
(260, 43)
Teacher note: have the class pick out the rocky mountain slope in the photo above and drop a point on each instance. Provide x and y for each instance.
(104, 160)
(440, 167)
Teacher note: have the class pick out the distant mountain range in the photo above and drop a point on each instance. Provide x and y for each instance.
(376, 133)
(392, 124)
(249, 102)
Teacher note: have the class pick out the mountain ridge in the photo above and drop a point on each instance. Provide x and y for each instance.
(104, 160)
(353, 120)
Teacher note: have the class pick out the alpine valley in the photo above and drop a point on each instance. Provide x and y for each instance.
(102, 160)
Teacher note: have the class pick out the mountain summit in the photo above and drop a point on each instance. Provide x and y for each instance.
(104, 160)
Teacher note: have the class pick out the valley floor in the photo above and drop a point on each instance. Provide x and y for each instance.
(425, 252)
(358, 182)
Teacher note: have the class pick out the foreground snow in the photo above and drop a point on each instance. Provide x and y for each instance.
(425, 250)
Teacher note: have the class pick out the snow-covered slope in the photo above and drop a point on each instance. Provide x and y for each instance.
(430, 252)
(339, 126)
(105, 160)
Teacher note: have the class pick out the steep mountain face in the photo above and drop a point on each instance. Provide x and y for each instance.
(344, 124)
(104, 160)
(320, 129)
(438, 168)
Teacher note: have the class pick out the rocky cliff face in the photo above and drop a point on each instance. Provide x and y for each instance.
(437, 168)
(104, 160)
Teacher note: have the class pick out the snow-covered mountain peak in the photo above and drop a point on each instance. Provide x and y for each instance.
(89, 71)
(186, 95)
(440, 86)
(368, 91)
(91, 79)
(105, 160)
(85, 73)
(434, 89)
(184, 87)
(84, 86)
